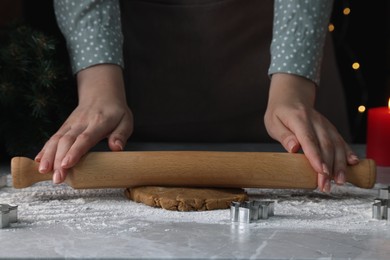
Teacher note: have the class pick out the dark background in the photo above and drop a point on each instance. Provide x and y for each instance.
(362, 36)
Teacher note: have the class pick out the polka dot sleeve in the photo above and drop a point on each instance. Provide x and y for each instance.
(299, 32)
(92, 29)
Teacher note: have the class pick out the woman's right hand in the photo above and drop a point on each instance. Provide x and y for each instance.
(102, 112)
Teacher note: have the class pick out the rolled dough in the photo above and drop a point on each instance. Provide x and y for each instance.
(186, 199)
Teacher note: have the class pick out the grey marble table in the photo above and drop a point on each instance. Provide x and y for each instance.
(140, 237)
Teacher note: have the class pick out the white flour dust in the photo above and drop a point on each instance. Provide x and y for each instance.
(346, 208)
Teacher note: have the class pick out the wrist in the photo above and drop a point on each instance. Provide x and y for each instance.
(103, 82)
(289, 88)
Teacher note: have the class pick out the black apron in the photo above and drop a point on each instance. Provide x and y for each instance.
(196, 70)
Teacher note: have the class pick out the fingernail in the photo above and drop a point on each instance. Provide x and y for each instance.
(56, 177)
(119, 143)
(65, 161)
(43, 166)
(327, 186)
(291, 145)
(325, 170)
(353, 158)
(341, 178)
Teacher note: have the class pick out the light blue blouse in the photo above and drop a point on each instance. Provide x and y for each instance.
(92, 29)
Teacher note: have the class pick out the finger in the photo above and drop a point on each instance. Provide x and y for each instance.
(43, 165)
(289, 141)
(323, 180)
(323, 183)
(48, 156)
(304, 134)
(340, 161)
(39, 155)
(83, 142)
(352, 158)
(118, 138)
(283, 135)
(58, 176)
(328, 142)
(66, 137)
(308, 140)
(64, 144)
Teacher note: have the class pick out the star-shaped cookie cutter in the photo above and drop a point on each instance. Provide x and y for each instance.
(251, 211)
(8, 214)
(381, 205)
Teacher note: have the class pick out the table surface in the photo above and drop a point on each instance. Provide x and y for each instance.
(55, 221)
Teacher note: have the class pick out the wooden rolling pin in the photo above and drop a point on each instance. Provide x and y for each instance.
(190, 169)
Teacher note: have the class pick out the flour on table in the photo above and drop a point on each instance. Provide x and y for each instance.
(346, 208)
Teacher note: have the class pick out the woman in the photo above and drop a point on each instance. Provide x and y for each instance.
(197, 70)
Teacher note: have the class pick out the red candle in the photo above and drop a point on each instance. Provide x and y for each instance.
(378, 135)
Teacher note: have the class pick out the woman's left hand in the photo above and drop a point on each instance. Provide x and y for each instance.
(292, 120)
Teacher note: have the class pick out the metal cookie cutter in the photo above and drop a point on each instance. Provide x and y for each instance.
(3, 180)
(250, 211)
(8, 214)
(381, 206)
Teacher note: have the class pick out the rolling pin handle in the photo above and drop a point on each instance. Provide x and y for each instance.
(25, 172)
